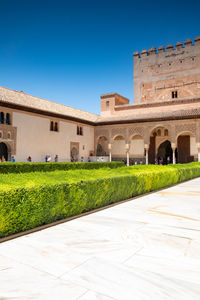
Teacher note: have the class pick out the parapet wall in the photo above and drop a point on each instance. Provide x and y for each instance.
(157, 72)
(169, 48)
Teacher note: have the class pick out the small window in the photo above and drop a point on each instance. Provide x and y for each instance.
(166, 132)
(8, 118)
(56, 126)
(174, 94)
(159, 132)
(1, 134)
(81, 130)
(9, 135)
(107, 104)
(51, 126)
(2, 118)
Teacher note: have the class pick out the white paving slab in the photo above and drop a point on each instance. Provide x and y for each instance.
(147, 248)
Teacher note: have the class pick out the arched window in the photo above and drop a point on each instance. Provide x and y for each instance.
(158, 132)
(1, 134)
(9, 135)
(166, 132)
(2, 118)
(51, 126)
(8, 118)
(56, 126)
(78, 130)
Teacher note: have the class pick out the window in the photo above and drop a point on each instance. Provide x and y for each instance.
(174, 94)
(79, 130)
(56, 126)
(53, 126)
(1, 134)
(159, 132)
(166, 132)
(8, 118)
(9, 135)
(107, 104)
(2, 118)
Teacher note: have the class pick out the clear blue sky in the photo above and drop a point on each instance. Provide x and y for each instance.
(73, 51)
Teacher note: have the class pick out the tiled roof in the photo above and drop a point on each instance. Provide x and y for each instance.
(169, 111)
(23, 99)
(123, 113)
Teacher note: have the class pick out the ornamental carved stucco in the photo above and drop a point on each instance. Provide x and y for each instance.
(118, 131)
(186, 127)
(8, 135)
(136, 131)
(102, 132)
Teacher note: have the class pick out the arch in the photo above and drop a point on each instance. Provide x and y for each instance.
(183, 143)
(186, 132)
(74, 154)
(119, 146)
(136, 146)
(165, 153)
(3, 151)
(156, 138)
(118, 136)
(102, 146)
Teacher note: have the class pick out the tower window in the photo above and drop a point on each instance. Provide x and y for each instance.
(166, 132)
(107, 104)
(174, 94)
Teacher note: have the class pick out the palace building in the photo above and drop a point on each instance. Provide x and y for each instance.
(162, 124)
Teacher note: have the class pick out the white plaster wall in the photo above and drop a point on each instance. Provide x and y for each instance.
(118, 147)
(193, 146)
(34, 138)
(137, 147)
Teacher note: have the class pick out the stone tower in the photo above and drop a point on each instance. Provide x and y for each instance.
(167, 74)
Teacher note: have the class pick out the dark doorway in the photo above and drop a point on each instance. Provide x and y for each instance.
(165, 153)
(152, 149)
(183, 149)
(3, 151)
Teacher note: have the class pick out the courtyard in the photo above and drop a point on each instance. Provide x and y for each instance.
(145, 248)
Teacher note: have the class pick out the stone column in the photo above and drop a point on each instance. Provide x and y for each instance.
(173, 145)
(198, 148)
(127, 147)
(146, 148)
(110, 154)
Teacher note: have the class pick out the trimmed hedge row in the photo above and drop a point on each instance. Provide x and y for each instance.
(25, 208)
(10, 167)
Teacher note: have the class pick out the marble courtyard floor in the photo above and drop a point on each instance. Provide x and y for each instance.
(146, 248)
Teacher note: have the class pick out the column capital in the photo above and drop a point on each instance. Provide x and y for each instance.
(173, 145)
(109, 146)
(127, 147)
(146, 146)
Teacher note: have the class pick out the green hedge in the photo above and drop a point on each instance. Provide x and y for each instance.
(10, 167)
(25, 208)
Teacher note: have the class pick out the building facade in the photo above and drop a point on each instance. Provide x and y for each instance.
(163, 124)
